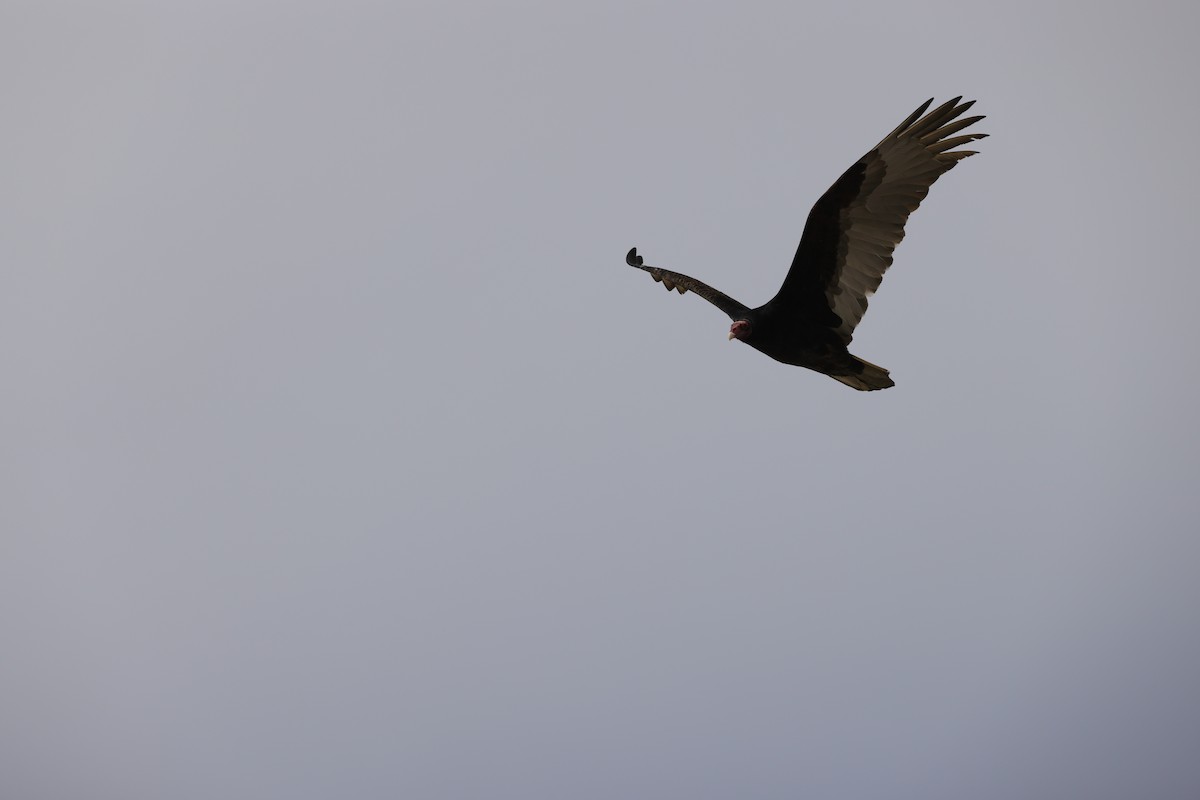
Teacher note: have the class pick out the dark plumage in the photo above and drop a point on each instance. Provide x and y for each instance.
(845, 249)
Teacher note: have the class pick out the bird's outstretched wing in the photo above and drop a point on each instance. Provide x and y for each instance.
(683, 283)
(852, 230)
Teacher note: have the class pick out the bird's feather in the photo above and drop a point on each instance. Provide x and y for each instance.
(685, 283)
(853, 230)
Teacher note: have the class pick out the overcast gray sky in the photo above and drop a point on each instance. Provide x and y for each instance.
(343, 456)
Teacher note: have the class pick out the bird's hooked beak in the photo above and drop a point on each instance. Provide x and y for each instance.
(732, 336)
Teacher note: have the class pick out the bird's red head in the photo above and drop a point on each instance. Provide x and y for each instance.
(739, 329)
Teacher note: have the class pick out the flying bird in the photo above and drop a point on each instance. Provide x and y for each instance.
(846, 247)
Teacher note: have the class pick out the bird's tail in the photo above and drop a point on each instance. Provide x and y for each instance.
(870, 378)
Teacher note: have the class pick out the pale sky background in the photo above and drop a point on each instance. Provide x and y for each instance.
(343, 456)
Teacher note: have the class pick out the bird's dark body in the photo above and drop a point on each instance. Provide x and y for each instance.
(798, 341)
(846, 247)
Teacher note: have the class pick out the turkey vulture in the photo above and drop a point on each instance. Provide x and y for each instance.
(846, 247)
